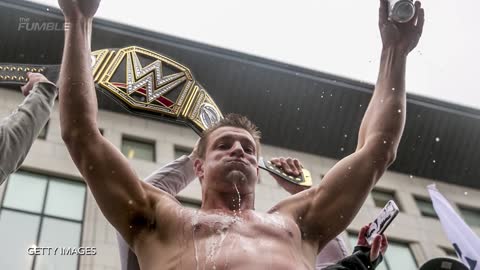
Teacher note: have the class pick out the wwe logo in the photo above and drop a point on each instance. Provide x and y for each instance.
(151, 77)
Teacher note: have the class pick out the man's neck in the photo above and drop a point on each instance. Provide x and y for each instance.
(227, 201)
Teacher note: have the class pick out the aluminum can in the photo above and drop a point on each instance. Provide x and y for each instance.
(401, 11)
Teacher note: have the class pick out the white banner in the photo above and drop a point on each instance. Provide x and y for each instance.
(464, 240)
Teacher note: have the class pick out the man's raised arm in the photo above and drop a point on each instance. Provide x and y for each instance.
(124, 200)
(326, 210)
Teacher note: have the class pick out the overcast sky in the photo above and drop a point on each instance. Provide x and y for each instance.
(334, 36)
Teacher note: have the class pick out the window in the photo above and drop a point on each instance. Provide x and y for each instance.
(138, 149)
(381, 197)
(181, 151)
(450, 253)
(43, 132)
(426, 207)
(40, 211)
(398, 255)
(470, 215)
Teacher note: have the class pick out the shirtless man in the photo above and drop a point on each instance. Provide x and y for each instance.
(227, 233)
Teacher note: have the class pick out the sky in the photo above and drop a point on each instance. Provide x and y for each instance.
(339, 37)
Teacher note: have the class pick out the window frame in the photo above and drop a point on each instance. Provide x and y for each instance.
(140, 140)
(428, 200)
(391, 192)
(49, 177)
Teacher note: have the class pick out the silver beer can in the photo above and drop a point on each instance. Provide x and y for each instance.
(401, 11)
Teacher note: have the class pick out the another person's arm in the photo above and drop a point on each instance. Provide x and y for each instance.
(128, 204)
(175, 176)
(365, 256)
(326, 210)
(19, 130)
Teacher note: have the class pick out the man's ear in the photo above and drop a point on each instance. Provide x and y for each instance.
(198, 167)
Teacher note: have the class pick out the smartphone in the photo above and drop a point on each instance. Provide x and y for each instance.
(381, 222)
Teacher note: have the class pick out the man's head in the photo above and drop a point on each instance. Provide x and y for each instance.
(227, 154)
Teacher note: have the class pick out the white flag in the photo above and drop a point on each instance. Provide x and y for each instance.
(464, 240)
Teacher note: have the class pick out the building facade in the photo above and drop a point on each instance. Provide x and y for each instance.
(46, 203)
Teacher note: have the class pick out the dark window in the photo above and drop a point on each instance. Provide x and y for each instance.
(426, 207)
(381, 197)
(138, 149)
(470, 215)
(181, 151)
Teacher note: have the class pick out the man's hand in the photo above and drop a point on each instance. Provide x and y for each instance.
(33, 78)
(403, 36)
(291, 166)
(78, 9)
(379, 243)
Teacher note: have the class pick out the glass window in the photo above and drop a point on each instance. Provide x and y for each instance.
(61, 234)
(381, 197)
(18, 232)
(470, 215)
(182, 151)
(450, 253)
(398, 255)
(136, 149)
(65, 199)
(25, 191)
(426, 207)
(55, 221)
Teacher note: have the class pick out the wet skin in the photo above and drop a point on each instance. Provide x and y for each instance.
(226, 233)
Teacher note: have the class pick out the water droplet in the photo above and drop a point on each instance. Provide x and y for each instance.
(384, 142)
(331, 95)
(345, 135)
(341, 216)
(465, 193)
(393, 88)
(437, 139)
(434, 161)
(349, 167)
(131, 227)
(298, 109)
(90, 167)
(48, 9)
(411, 176)
(381, 100)
(130, 202)
(360, 105)
(298, 128)
(321, 96)
(341, 107)
(281, 104)
(341, 149)
(399, 111)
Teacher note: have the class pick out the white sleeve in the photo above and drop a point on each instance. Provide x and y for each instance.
(173, 177)
(19, 130)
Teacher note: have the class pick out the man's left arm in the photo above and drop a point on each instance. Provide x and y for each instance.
(19, 130)
(324, 211)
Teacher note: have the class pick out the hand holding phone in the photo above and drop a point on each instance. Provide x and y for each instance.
(381, 222)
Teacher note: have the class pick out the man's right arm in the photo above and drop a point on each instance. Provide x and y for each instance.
(127, 203)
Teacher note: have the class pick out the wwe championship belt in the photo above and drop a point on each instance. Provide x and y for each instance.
(146, 83)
